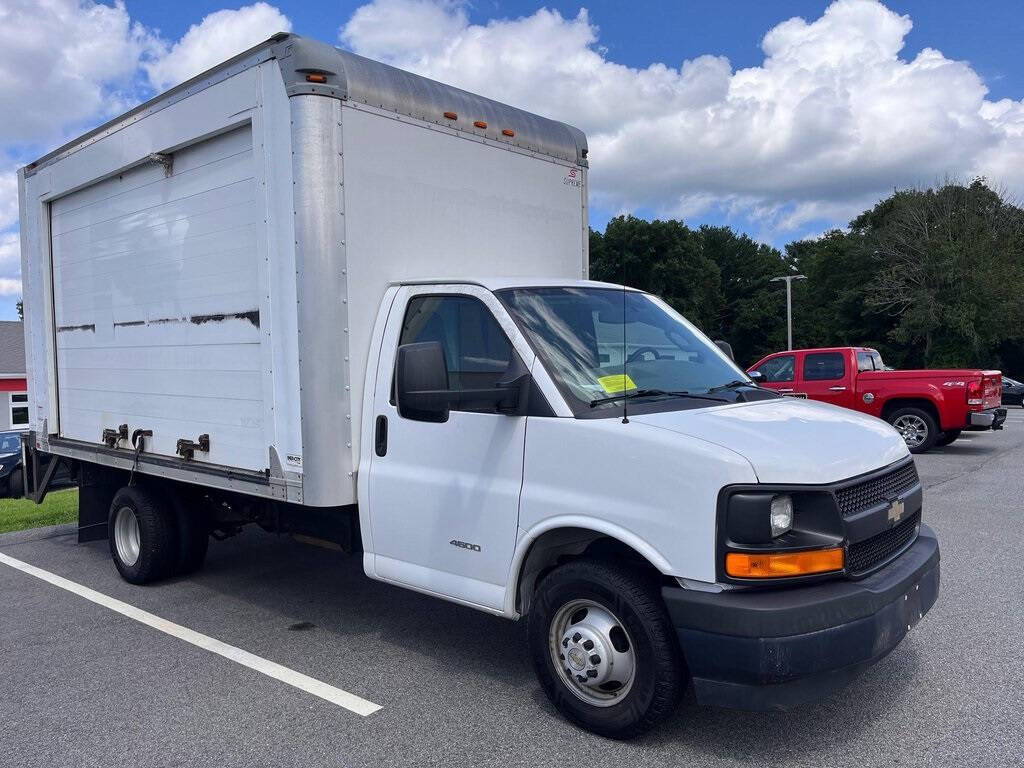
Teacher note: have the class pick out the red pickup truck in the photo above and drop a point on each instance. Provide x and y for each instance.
(928, 407)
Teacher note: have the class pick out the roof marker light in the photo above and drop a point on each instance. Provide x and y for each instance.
(507, 132)
(479, 123)
(451, 116)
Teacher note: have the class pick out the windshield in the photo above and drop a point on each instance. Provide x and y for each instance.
(580, 337)
(10, 442)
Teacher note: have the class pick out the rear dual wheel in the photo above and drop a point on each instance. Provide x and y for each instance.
(151, 538)
(604, 649)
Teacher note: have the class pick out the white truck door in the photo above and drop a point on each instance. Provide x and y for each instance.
(444, 497)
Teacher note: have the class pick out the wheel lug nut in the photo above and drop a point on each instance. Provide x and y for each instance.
(565, 642)
(588, 644)
(576, 637)
(591, 673)
(595, 659)
(561, 656)
(581, 678)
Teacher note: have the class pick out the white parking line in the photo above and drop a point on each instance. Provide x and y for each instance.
(298, 680)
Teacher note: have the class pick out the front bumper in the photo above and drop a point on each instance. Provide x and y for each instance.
(778, 649)
(991, 418)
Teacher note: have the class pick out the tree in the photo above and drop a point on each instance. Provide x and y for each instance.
(949, 272)
(662, 257)
(928, 277)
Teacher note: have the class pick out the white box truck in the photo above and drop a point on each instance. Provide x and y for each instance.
(329, 297)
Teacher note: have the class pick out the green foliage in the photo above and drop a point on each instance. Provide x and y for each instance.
(928, 277)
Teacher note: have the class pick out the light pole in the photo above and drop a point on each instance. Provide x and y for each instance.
(789, 303)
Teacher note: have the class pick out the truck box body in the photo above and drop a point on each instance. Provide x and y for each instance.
(212, 262)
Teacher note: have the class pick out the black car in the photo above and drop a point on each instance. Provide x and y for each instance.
(10, 464)
(12, 477)
(1013, 391)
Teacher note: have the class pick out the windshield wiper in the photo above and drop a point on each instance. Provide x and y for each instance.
(654, 393)
(732, 385)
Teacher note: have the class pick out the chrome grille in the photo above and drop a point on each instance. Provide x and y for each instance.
(876, 490)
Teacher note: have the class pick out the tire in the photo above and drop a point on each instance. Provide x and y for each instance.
(947, 437)
(586, 601)
(917, 426)
(193, 535)
(16, 484)
(141, 524)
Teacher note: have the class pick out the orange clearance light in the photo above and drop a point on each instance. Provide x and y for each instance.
(479, 123)
(508, 133)
(451, 116)
(775, 565)
(316, 78)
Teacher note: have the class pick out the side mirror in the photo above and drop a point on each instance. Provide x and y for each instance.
(421, 382)
(757, 376)
(422, 393)
(726, 347)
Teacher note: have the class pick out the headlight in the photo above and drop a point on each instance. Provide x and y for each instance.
(781, 514)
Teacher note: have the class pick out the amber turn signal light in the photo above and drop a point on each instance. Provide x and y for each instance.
(316, 77)
(777, 565)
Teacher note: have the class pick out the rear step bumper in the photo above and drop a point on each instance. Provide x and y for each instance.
(992, 418)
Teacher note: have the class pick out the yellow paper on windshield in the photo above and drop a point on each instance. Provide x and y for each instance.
(616, 383)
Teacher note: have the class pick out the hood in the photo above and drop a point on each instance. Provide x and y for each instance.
(790, 440)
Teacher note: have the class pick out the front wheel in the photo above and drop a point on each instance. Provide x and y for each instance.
(604, 649)
(917, 427)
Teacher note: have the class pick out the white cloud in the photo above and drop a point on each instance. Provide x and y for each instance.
(831, 120)
(217, 37)
(10, 264)
(64, 64)
(8, 197)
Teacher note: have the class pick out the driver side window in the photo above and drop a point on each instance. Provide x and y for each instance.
(476, 350)
(778, 369)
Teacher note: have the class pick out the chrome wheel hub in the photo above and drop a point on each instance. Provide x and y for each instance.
(126, 535)
(912, 428)
(592, 652)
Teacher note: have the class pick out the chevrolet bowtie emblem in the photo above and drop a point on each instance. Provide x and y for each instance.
(895, 511)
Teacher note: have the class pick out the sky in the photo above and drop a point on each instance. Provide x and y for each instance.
(782, 119)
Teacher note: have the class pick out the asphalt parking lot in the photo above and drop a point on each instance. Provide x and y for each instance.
(83, 685)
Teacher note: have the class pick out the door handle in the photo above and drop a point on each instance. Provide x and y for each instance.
(380, 438)
(837, 389)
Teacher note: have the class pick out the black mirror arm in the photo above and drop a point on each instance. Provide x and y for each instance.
(508, 396)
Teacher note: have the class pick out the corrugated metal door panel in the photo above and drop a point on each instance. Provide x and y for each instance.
(157, 304)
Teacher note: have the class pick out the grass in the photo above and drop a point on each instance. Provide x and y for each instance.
(58, 507)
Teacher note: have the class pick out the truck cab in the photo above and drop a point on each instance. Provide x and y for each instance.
(928, 407)
(578, 454)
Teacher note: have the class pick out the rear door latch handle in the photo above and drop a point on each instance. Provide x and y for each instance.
(837, 389)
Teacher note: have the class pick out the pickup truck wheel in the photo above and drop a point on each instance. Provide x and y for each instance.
(917, 427)
(143, 536)
(604, 649)
(948, 437)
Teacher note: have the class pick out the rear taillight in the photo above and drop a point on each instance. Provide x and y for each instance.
(976, 392)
